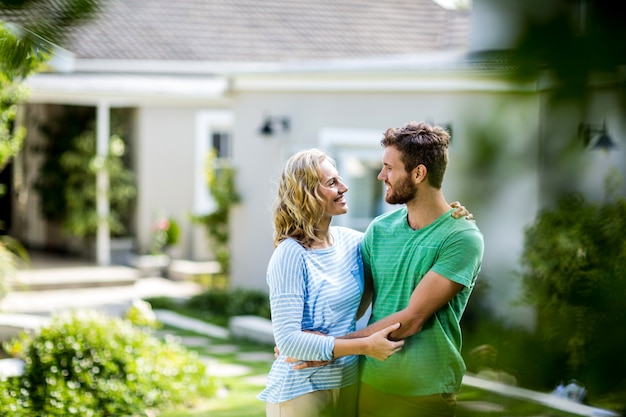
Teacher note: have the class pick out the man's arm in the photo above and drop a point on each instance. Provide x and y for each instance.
(432, 293)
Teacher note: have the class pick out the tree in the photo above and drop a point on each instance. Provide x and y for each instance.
(24, 50)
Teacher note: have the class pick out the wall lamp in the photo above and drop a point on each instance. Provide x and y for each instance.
(272, 125)
(595, 137)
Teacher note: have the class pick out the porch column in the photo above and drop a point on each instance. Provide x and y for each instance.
(103, 237)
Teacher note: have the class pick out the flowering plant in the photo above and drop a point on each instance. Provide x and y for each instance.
(164, 233)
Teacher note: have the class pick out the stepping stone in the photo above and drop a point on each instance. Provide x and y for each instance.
(216, 368)
(255, 357)
(194, 341)
(253, 328)
(187, 323)
(11, 325)
(11, 367)
(222, 349)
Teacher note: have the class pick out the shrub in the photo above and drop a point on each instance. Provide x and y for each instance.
(575, 277)
(221, 182)
(87, 364)
(223, 303)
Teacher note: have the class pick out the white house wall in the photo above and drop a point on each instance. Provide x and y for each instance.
(166, 171)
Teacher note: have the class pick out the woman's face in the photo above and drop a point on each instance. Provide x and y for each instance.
(332, 190)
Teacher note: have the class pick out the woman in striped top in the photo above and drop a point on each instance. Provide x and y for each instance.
(315, 279)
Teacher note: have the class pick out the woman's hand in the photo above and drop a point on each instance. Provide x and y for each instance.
(380, 347)
(461, 211)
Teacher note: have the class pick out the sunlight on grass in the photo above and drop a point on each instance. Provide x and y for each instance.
(240, 401)
(236, 394)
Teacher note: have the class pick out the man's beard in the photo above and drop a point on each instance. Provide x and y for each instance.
(402, 192)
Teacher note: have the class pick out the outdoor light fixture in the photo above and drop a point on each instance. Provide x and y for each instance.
(272, 125)
(598, 135)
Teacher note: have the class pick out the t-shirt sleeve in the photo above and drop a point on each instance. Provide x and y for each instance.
(286, 278)
(461, 257)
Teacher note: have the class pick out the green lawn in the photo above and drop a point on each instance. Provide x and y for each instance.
(236, 395)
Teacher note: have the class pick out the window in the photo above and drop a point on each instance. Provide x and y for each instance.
(358, 156)
(365, 194)
(220, 143)
(213, 132)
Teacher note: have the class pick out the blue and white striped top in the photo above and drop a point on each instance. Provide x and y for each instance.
(319, 290)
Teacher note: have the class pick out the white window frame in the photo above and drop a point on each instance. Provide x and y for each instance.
(207, 122)
(344, 144)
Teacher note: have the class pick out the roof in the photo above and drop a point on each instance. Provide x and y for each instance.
(261, 31)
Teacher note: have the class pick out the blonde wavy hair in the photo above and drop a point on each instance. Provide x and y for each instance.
(298, 206)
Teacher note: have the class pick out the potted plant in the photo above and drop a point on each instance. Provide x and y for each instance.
(165, 234)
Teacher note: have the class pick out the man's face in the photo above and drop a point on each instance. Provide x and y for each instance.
(400, 187)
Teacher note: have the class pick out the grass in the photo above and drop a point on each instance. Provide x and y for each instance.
(236, 395)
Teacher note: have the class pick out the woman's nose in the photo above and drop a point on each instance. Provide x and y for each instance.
(343, 188)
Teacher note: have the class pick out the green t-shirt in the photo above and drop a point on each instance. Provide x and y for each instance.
(397, 257)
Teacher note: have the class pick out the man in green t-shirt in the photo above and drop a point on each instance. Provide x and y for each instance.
(423, 264)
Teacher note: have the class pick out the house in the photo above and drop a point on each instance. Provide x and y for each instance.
(260, 80)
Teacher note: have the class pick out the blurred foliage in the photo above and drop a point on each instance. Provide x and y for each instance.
(571, 41)
(88, 364)
(11, 250)
(45, 23)
(67, 178)
(494, 347)
(575, 276)
(18, 59)
(220, 178)
(140, 314)
(26, 43)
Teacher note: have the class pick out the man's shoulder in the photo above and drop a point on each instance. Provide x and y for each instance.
(453, 224)
(464, 231)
